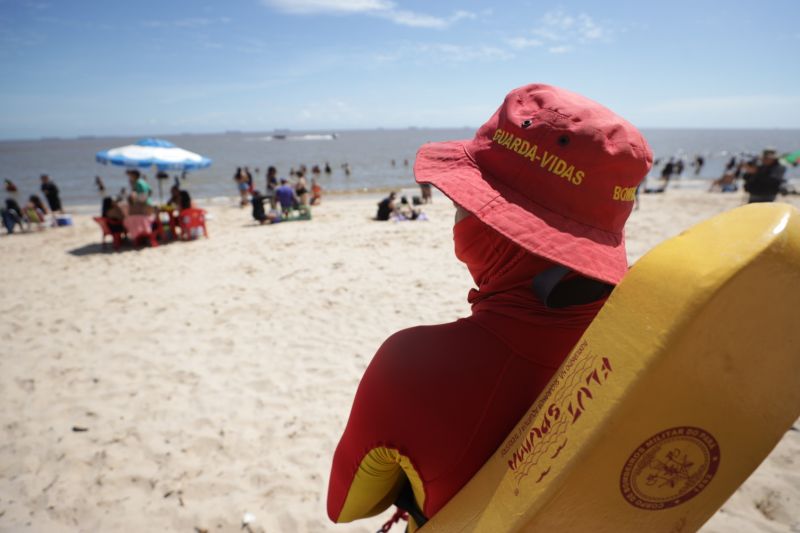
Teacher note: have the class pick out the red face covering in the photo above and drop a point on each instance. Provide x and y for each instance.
(497, 264)
(504, 272)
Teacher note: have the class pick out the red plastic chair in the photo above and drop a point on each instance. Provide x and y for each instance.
(191, 220)
(116, 236)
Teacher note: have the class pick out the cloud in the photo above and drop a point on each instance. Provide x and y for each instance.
(523, 42)
(416, 20)
(437, 53)
(454, 53)
(559, 32)
(560, 26)
(384, 9)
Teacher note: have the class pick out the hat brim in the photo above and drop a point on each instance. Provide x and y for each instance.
(590, 251)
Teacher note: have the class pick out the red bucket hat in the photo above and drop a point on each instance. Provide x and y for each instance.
(551, 170)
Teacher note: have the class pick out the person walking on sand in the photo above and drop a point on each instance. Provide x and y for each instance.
(249, 179)
(301, 188)
(426, 191)
(316, 192)
(242, 185)
(271, 179)
(698, 163)
(666, 172)
(542, 193)
(50, 192)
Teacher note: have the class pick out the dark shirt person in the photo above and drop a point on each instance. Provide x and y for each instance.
(174, 200)
(259, 213)
(272, 185)
(257, 200)
(184, 200)
(113, 214)
(12, 215)
(667, 171)
(50, 192)
(763, 181)
(272, 180)
(386, 207)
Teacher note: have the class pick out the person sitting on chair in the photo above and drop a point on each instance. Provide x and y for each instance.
(259, 213)
(185, 200)
(35, 211)
(113, 214)
(174, 201)
(12, 216)
(286, 197)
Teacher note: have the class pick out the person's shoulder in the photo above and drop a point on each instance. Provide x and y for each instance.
(422, 341)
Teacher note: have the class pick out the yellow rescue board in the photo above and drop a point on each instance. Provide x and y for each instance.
(681, 386)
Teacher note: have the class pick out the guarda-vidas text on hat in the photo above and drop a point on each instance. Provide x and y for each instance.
(551, 170)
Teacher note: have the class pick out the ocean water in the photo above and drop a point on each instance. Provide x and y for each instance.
(369, 154)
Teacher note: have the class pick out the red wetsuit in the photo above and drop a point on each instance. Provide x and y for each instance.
(437, 401)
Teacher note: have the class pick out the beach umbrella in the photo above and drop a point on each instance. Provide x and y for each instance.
(156, 153)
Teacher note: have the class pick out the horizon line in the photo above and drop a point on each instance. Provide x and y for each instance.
(338, 130)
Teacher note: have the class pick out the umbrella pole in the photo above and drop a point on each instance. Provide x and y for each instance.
(159, 180)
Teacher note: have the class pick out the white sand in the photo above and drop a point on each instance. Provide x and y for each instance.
(214, 377)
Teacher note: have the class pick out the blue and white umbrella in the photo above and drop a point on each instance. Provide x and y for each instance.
(153, 153)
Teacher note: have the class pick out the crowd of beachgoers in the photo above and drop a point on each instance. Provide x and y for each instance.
(739, 168)
(290, 196)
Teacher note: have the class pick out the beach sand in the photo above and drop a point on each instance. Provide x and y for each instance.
(213, 378)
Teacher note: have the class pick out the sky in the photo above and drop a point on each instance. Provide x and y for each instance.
(72, 67)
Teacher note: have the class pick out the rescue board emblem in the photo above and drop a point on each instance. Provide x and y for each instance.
(669, 468)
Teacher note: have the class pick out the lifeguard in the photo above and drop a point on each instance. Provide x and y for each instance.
(544, 249)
